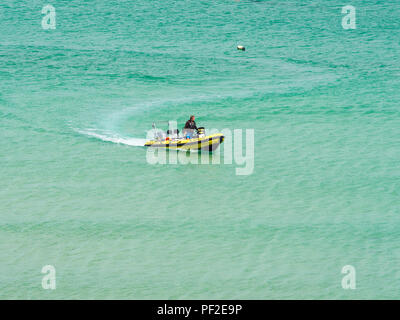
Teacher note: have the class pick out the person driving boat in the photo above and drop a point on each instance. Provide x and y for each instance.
(189, 128)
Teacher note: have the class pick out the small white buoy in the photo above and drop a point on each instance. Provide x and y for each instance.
(241, 48)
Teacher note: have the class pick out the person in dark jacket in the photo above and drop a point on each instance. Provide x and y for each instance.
(191, 124)
(189, 128)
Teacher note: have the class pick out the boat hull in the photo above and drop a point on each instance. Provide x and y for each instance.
(208, 143)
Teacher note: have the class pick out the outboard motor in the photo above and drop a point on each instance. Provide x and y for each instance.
(201, 132)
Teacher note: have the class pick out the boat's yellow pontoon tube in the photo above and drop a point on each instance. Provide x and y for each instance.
(199, 142)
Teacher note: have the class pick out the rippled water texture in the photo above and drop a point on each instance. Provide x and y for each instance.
(76, 191)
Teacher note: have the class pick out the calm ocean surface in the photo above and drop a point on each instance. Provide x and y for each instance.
(76, 191)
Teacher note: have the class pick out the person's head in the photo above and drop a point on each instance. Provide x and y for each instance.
(191, 118)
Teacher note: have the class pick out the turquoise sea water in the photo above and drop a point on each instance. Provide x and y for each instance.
(76, 191)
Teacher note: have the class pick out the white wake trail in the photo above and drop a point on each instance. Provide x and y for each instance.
(136, 142)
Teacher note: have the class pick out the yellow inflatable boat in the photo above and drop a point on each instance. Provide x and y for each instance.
(198, 141)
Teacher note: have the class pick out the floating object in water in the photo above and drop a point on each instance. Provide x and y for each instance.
(199, 141)
(241, 48)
